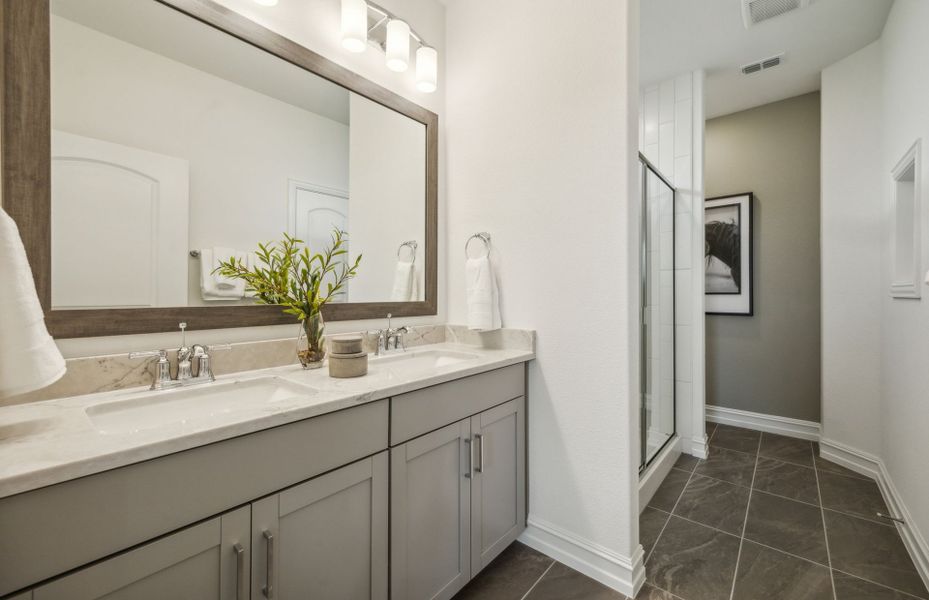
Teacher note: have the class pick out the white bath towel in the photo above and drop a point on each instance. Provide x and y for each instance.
(403, 282)
(483, 296)
(221, 254)
(29, 358)
(209, 288)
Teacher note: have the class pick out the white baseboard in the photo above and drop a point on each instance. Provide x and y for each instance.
(872, 466)
(697, 446)
(807, 430)
(622, 573)
(657, 471)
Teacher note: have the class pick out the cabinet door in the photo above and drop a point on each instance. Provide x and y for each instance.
(326, 538)
(203, 562)
(498, 500)
(431, 515)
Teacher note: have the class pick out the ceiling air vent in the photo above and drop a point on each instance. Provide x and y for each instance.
(756, 11)
(762, 65)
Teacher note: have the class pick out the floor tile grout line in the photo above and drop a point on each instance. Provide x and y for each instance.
(822, 515)
(882, 585)
(751, 489)
(757, 543)
(676, 502)
(544, 573)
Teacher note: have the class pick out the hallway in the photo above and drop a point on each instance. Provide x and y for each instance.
(765, 511)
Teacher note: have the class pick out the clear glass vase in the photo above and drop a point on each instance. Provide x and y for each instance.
(311, 345)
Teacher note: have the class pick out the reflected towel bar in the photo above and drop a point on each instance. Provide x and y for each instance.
(412, 244)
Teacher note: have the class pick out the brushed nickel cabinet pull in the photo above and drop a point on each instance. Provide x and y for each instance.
(470, 472)
(480, 455)
(268, 589)
(240, 593)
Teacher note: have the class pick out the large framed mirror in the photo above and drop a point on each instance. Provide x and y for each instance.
(145, 140)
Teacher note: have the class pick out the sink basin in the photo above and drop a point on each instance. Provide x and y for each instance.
(193, 407)
(27, 428)
(426, 360)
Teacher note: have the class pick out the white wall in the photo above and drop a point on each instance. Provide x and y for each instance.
(542, 128)
(864, 138)
(905, 331)
(316, 26)
(388, 190)
(851, 249)
(671, 138)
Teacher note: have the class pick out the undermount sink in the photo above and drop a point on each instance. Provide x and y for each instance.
(193, 407)
(426, 360)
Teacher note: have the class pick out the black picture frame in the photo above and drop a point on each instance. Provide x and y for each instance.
(740, 301)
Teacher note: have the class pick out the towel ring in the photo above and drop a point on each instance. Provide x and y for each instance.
(413, 245)
(481, 235)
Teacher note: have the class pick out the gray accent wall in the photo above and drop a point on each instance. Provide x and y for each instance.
(770, 363)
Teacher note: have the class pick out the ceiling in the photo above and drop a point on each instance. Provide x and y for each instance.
(684, 35)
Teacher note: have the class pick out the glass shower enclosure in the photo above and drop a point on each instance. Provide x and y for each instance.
(657, 313)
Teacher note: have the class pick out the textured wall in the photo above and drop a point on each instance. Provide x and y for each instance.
(542, 138)
(770, 363)
(851, 247)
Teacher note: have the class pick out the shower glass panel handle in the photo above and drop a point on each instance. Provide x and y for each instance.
(657, 313)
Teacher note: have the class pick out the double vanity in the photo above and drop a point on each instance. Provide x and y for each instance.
(277, 483)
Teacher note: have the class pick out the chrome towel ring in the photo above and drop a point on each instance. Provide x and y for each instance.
(412, 245)
(481, 235)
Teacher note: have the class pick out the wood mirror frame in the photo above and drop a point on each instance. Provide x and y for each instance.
(25, 172)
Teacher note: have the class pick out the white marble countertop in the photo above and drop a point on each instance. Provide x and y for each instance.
(49, 442)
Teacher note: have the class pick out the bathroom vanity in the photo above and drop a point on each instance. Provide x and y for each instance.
(401, 484)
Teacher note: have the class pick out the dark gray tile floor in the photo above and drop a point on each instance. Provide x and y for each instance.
(763, 518)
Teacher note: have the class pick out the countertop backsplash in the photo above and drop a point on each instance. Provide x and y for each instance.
(93, 374)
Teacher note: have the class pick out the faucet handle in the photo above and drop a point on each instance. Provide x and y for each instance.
(161, 354)
(204, 364)
(162, 365)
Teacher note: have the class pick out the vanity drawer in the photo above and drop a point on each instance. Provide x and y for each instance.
(60, 527)
(426, 410)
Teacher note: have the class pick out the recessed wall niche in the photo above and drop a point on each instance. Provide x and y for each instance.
(907, 248)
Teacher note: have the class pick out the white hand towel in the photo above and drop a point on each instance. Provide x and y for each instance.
(221, 254)
(483, 296)
(209, 289)
(403, 282)
(29, 358)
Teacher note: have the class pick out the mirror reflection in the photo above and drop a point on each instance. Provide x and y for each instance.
(176, 146)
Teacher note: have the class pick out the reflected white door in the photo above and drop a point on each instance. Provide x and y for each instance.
(314, 212)
(119, 225)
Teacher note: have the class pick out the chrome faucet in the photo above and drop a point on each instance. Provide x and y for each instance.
(185, 376)
(385, 336)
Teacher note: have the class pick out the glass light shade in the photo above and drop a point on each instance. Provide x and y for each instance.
(398, 45)
(266, 2)
(427, 67)
(354, 25)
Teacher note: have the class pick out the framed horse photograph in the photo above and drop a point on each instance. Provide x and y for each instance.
(728, 254)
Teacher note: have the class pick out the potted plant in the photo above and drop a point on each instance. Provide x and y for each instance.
(286, 273)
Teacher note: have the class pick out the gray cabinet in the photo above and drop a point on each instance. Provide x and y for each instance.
(457, 500)
(203, 562)
(431, 514)
(498, 488)
(326, 538)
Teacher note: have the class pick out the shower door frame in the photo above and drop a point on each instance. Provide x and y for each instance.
(644, 461)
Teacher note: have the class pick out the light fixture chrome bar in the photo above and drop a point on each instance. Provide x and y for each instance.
(386, 16)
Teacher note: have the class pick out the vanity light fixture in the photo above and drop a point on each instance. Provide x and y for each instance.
(366, 22)
(427, 66)
(354, 25)
(398, 45)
